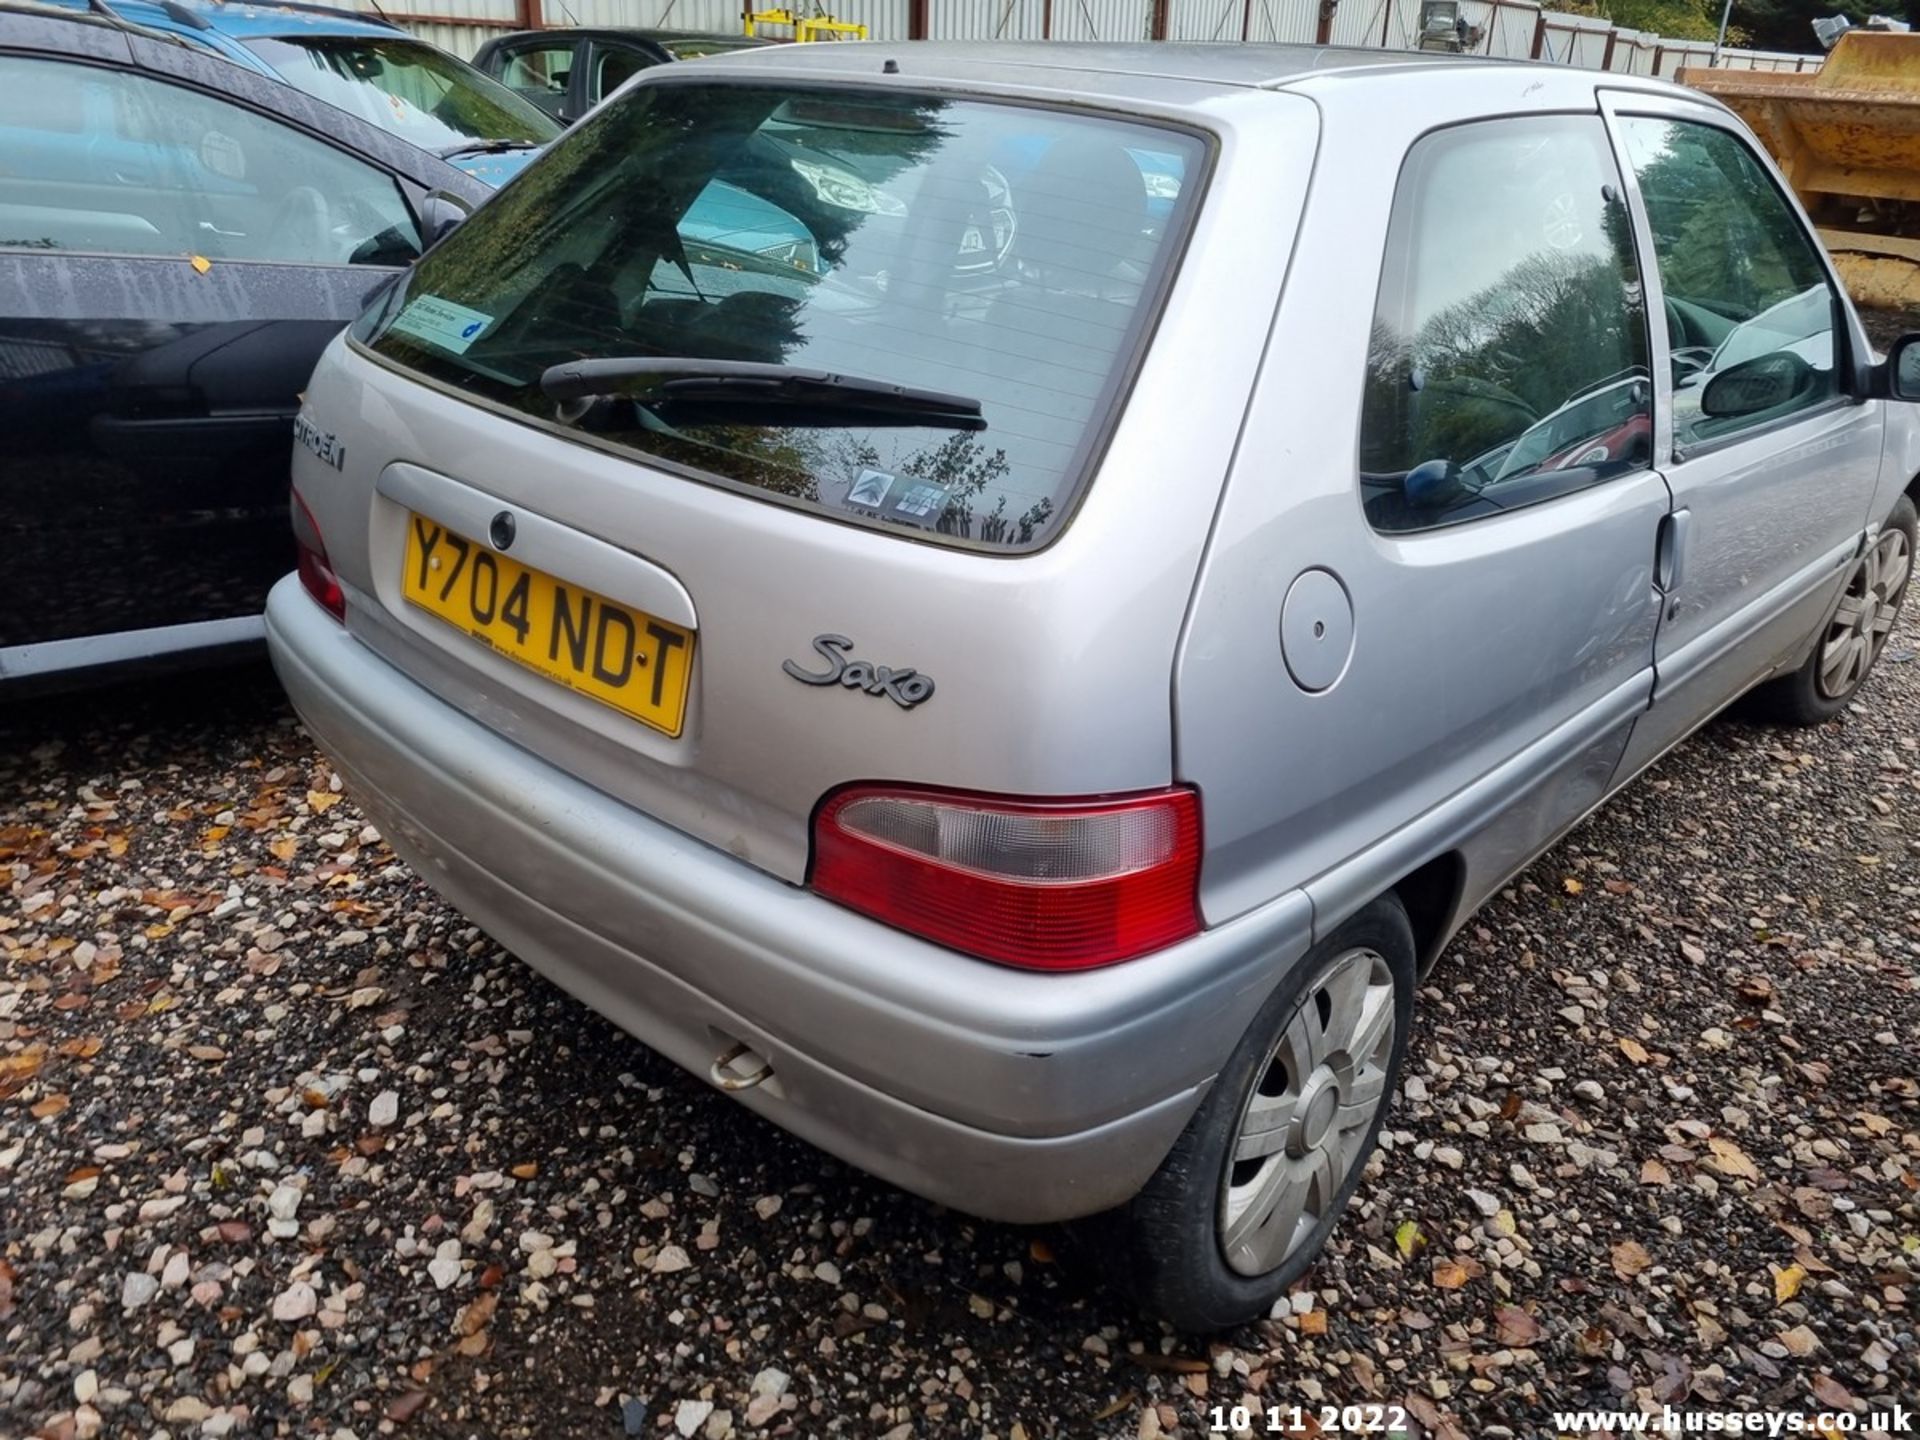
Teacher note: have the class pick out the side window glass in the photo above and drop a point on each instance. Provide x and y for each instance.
(613, 68)
(104, 161)
(1750, 317)
(540, 73)
(1508, 361)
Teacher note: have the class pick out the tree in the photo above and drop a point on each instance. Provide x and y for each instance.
(1788, 24)
(1673, 19)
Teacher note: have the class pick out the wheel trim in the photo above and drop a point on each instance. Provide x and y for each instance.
(1304, 1126)
(1865, 615)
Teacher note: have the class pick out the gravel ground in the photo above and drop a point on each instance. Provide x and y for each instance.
(287, 1147)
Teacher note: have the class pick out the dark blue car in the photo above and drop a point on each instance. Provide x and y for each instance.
(179, 238)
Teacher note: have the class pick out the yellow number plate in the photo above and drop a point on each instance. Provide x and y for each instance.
(623, 658)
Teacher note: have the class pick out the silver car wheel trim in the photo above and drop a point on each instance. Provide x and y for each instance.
(1865, 616)
(1305, 1123)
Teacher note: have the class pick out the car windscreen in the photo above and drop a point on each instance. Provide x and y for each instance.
(409, 88)
(757, 259)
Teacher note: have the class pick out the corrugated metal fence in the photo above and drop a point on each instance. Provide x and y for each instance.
(1511, 28)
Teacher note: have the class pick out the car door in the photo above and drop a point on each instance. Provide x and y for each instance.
(1773, 468)
(611, 63)
(541, 69)
(172, 261)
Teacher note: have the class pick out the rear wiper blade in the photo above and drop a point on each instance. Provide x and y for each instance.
(739, 387)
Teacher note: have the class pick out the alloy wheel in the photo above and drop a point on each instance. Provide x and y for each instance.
(1304, 1127)
(1860, 626)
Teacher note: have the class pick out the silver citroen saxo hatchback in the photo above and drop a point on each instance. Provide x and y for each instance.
(1000, 602)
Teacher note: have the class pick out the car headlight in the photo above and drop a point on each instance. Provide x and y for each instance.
(847, 192)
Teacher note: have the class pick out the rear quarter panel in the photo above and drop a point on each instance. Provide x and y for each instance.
(1500, 660)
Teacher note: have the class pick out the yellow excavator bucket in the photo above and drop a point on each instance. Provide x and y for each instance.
(1847, 137)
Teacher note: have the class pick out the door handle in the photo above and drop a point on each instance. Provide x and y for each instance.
(1670, 551)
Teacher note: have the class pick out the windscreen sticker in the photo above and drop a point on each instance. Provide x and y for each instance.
(906, 499)
(441, 322)
(870, 490)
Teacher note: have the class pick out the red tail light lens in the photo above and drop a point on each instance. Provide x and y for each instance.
(1044, 885)
(316, 573)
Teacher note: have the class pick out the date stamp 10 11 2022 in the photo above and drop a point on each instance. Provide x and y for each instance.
(1387, 1420)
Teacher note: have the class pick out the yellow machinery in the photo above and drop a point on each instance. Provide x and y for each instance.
(1847, 137)
(805, 27)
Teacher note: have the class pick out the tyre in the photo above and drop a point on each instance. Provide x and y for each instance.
(1247, 1196)
(1855, 635)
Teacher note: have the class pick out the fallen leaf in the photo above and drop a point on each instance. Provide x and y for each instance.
(1114, 1407)
(1408, 1238)
(1755, 990)
(1169, 1364)
(1040, 1252)
(1729, 1159)
(475, 1314)
(1652, 1172)
(1630, 1257)
(1831, 1393)
(1314, 1322)
(404, 1409)
(1800, 1341)
(51, 1105)
(323, 801)
(284, 849)
(1634, 1050)
(1571, 885)
(1787, 1282)
(1449, 1275)
(1515, 1326)
(23, 1066)
(200, 263)
(526, 1171)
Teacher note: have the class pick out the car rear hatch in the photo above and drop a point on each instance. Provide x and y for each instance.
(718, 592)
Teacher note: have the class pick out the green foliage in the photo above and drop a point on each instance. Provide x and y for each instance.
(1670, 19)
(1788, 24)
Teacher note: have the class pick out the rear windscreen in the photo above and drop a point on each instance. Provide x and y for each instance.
(1003, 257)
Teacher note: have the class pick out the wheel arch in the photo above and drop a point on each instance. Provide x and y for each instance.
(1431, 896)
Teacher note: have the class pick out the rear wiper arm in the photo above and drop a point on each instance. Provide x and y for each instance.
(739, 387)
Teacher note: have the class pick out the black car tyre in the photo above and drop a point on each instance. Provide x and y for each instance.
(1854, 635)
(1242, 1204)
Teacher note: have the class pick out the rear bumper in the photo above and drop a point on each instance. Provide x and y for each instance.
(1009, 1095)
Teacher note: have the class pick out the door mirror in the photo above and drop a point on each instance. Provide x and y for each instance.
(1903, 368)
(1433, 485)
(1755, 386)
(440, 214)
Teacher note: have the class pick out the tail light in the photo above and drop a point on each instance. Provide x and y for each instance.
(316, 572)
(1044, 885)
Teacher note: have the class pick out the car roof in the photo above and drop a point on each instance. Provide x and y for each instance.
(648, 33)
(1096, 67)
(240, 20)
